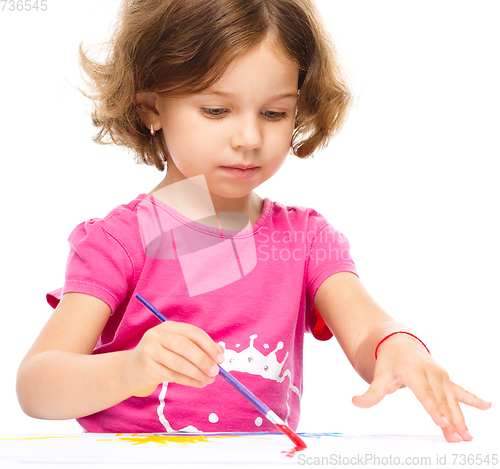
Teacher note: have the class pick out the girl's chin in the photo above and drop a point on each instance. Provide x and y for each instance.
(232, 193)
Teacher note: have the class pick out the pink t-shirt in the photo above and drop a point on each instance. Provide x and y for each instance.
(251, 289)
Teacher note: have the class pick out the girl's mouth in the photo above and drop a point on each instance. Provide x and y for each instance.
(240, 173)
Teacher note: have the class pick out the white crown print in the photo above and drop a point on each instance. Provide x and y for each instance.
(254, 362)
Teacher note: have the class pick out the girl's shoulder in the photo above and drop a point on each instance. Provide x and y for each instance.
(297, 215)
(124, 211)
(119, 228)
(120, 216)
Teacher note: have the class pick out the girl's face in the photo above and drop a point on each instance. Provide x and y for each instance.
(246, 118)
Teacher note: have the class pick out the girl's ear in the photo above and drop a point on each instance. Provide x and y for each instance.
(146, 108)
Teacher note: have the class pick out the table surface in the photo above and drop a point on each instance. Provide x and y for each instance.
(99, 450)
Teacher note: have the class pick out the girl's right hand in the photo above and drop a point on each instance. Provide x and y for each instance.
(172, 352)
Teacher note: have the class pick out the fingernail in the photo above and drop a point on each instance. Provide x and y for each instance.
(214, 370)
(456, 436)
(467, 434)
(220, 358)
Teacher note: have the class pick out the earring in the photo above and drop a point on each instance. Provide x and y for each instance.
(152, 130)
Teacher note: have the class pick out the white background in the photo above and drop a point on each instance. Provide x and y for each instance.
(412, 181)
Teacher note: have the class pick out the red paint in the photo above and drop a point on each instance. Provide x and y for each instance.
(299, 444)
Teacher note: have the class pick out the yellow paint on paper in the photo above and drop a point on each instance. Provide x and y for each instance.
(164, 440)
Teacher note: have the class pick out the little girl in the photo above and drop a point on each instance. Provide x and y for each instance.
(220, 91)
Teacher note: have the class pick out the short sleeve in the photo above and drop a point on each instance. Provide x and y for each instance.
(98, 264)
(329, 253)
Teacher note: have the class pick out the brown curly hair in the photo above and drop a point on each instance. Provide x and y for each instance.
(179, 47)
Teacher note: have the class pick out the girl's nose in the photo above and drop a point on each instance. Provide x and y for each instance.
(247, 134)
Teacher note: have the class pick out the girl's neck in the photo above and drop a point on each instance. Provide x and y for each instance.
(189, 200)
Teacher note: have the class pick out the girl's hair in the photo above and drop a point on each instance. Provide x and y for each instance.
(178, 47)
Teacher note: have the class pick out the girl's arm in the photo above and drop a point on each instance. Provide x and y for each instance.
(60, 379)
(359, 324)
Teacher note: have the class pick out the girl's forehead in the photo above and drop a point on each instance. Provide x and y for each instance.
(264, 61)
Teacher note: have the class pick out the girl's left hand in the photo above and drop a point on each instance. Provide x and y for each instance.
(403, 361)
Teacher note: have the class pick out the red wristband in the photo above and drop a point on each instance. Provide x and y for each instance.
(399, 332)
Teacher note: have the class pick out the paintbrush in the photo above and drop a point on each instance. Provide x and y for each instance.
(266, 411)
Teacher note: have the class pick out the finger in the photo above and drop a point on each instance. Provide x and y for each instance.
(456, 413)
(198, 337)
(154, 373)
(379, 388)
(445, 402)
(470, 399)
(177, 366)
(424, 393)
(172, 376)
(180, 354)
(186, 380)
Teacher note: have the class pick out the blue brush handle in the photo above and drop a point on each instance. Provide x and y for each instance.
(243, 390)
(151, 307)
(230, 379)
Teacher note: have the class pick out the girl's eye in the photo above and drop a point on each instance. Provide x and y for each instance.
(217, 113)
(213, 113)
(274, 116)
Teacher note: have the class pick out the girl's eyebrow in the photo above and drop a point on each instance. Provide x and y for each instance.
(225, 94)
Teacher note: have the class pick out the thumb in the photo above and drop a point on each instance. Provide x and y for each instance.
(379, 388)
